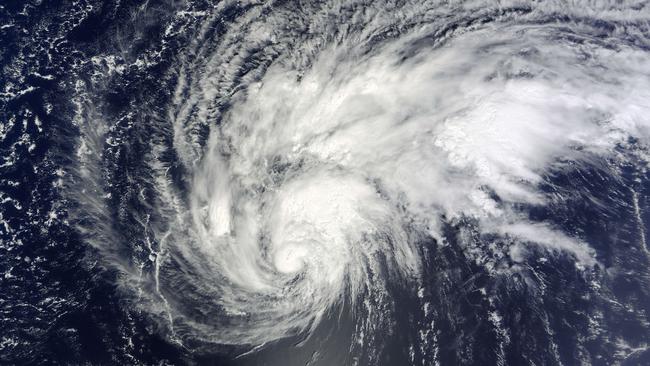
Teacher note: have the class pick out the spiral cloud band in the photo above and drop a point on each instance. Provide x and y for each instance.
(311, 158)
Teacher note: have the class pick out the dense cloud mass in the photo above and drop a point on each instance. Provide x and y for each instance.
(360, 182)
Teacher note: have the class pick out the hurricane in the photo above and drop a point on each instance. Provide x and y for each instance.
(327, 182)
